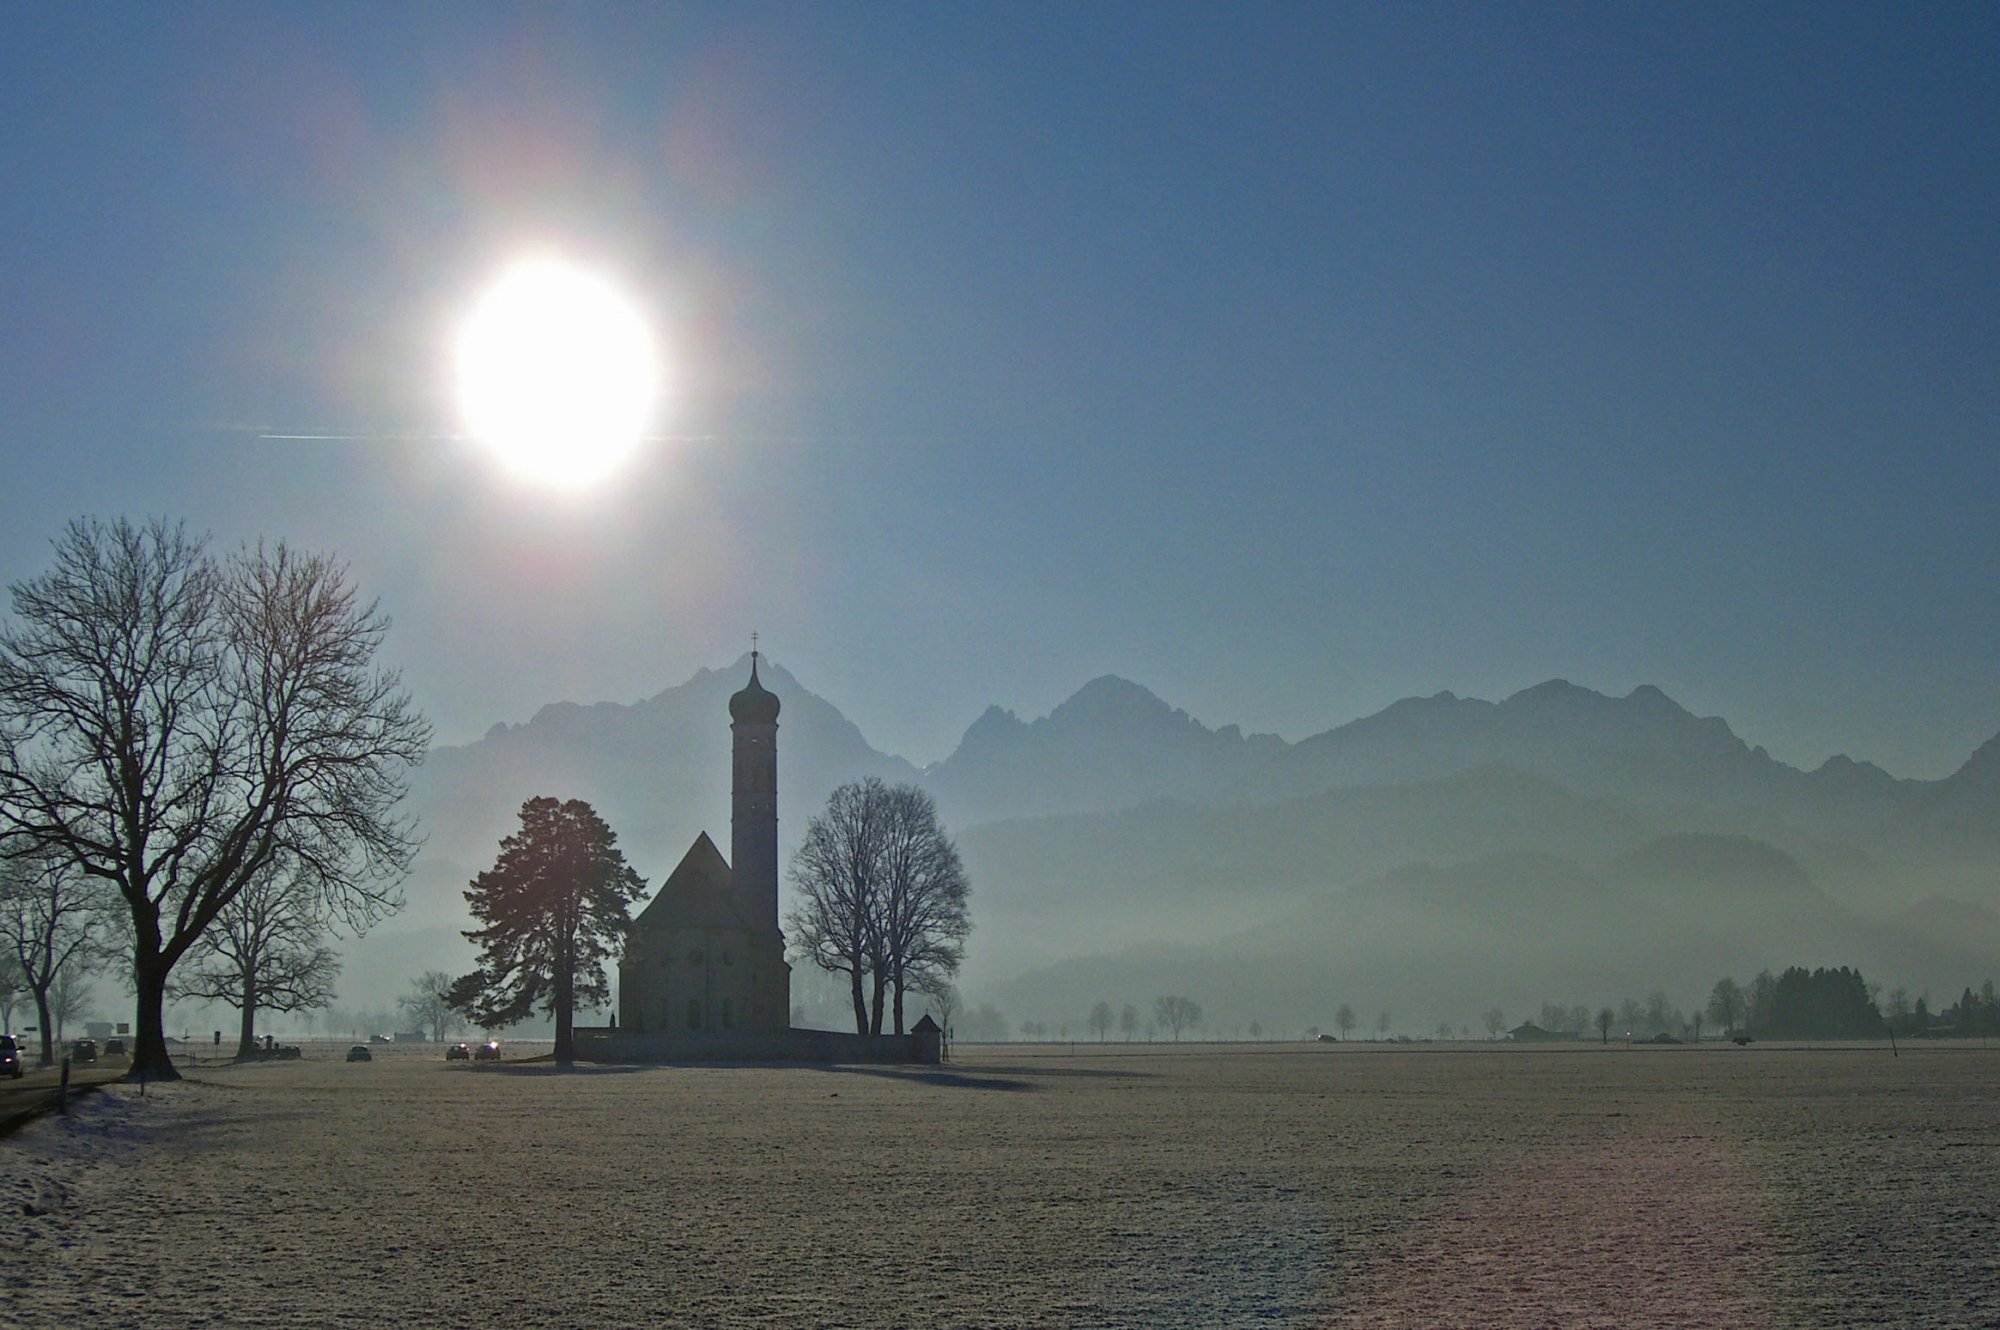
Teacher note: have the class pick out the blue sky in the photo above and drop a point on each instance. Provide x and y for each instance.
(1286, 359)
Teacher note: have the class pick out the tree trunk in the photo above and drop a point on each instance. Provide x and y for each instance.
(246, 1037)
(860, 1003)
(875, 1016)
(899, 1003)
(149, 1022)
(565, 1016)
(48, 1031)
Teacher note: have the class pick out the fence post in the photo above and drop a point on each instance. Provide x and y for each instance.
(62, 1088)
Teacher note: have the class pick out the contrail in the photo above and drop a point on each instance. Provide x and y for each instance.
(451, 438)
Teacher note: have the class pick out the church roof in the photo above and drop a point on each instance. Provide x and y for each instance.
(697, 894)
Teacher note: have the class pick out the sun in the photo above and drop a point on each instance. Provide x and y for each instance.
(557, 373)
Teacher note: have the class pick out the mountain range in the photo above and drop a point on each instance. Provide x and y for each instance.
(1565, 838)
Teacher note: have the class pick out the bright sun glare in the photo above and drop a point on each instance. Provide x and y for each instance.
(557, 373)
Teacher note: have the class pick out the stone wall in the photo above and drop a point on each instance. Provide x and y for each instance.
(597, 1043)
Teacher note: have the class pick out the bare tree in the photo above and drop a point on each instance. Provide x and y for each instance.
(69, 995)
(1343, 1020)
(428, 1003)
(1382, 1025)
(266, 951)
(1496, 1021)
(1725, 1003)
(944, 1002)
(921, 920)
(1604, 1018)
(174, 724)
(1177, 1013)
(1128, 1022)
(837, 873)
(12, 985)
(51, 924)
(1100, 1020)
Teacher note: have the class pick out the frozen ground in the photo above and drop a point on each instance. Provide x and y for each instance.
(1133, 1187)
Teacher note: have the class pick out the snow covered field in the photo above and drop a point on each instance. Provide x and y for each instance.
(1132, 1186)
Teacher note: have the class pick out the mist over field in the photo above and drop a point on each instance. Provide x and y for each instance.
(1436, 858)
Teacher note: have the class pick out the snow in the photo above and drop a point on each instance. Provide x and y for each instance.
(1127, 1186)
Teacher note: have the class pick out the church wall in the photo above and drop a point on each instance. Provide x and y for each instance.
(598, 1044)
(703, 981)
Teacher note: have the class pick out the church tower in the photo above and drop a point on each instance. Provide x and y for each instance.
(753, 818)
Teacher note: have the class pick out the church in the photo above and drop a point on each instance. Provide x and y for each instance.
(706, 957)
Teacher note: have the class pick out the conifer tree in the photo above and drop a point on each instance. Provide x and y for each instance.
(554, 909)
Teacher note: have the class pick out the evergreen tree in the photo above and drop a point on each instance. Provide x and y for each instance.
(553, 908)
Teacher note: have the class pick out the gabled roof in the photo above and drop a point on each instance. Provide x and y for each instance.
(925, 1026)
(697, 894)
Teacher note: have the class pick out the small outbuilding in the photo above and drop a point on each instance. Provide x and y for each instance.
(1530, 1033)
(926, 1042)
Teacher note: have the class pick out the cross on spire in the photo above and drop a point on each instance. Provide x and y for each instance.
(753, 646)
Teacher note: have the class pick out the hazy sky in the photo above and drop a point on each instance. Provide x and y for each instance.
(1288, 360)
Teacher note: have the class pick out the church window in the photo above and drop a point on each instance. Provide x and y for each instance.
(728, 1017)
(694, 1013)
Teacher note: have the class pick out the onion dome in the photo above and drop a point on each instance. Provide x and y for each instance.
(755, 704)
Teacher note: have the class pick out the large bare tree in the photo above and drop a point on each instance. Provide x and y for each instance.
(266, 951)
(920, 918)
(174, 724)
(837, 872)
(52, 926)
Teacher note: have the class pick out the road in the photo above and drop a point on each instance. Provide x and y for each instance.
(22, 1099)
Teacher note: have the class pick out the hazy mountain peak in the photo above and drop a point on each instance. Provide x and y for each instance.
(1983, 767)
(1109, 695)
(1653, 698)
(1554, 690)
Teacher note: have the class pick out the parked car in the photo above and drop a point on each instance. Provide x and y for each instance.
(360, 1053)
(487, 1052)
(10, 1057)
(114, 1048)
(458, 1053)
(83, 1050)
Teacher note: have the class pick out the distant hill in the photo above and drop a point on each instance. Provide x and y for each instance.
(1442, 942)
(1170, 870)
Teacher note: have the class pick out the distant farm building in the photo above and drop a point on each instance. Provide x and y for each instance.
(1527, 1032)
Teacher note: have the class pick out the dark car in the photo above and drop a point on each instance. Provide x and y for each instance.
(458, 1053)
(83, 1050)
(114, 1048)
(360, 1053)
(10, 1057)
(487, 1052)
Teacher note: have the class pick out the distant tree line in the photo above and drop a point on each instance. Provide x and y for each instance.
(1820, 1004)
(1973, 1016)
